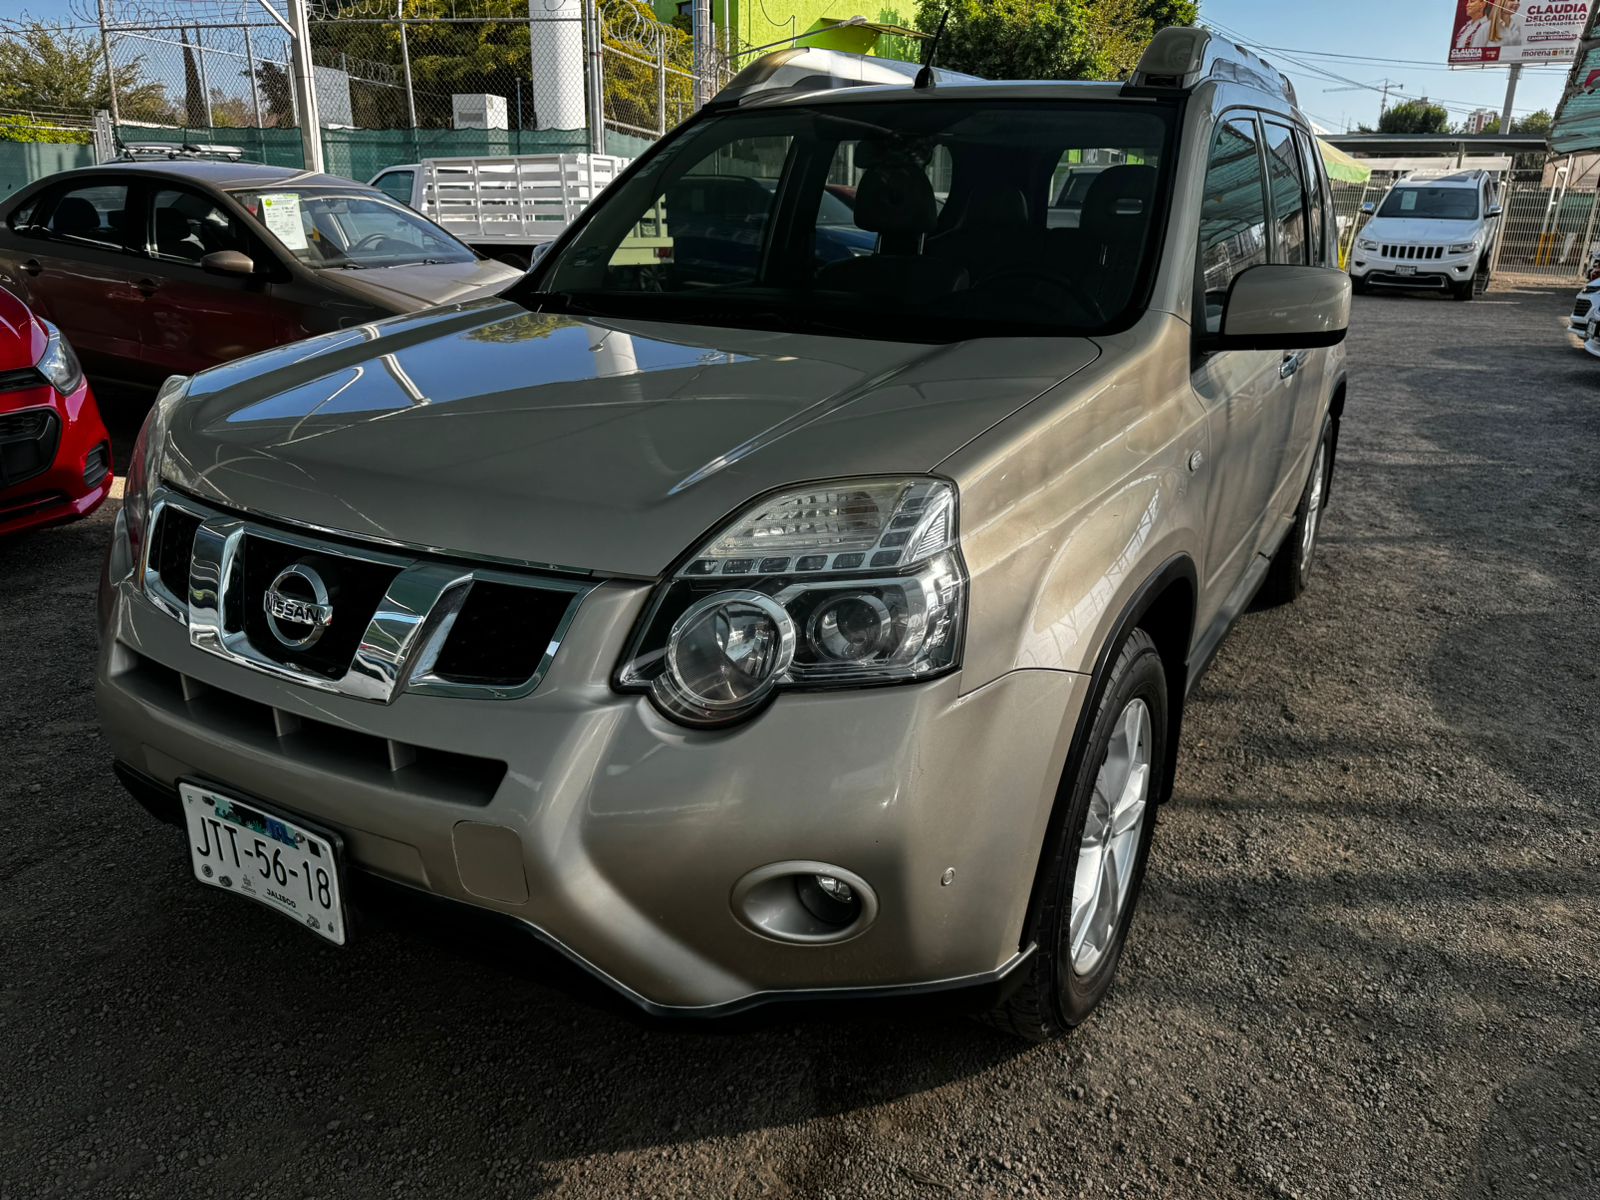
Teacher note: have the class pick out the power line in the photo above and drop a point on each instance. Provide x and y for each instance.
(1459, 106)
(1418, 63)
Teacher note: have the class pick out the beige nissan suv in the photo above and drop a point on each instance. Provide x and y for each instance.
(793, 586)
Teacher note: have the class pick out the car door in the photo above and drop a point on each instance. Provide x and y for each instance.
(1291, 401)
(194, 318)
(1237, 387)
(76, 265)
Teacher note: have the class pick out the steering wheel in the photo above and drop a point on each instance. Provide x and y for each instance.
(1041, 279)
(376, 241)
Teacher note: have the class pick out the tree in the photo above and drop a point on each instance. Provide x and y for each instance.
(277, 95)
(24, 129)
(1049, 39)
(194, 99)
(1415, 116)
(1537, 124)
(54, 68)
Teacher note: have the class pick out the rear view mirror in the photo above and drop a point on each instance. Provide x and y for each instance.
(1369, 207)
(1494, 210)
(1284, 307)
(228, 262)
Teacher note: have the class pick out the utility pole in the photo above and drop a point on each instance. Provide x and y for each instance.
(305, 87)
(1511, 94)
(1382, 86)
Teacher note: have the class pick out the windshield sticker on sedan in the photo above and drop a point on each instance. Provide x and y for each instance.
(280, 213)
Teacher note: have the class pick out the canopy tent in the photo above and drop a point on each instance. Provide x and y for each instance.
(1342, 166)
(1576, 127)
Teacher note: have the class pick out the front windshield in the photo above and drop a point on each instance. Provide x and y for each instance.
(1432, 203)
(333, 227)
(925, 220)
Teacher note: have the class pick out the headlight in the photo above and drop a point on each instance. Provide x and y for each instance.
(144, 469)
(59, 364)
(839, 585)
(1369, 246)
(1464, 247)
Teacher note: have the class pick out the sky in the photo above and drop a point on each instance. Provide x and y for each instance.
(1417, 32)
(1300, 37)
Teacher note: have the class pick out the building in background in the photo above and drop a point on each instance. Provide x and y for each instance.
(1479, 118)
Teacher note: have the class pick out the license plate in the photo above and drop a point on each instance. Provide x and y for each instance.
(1405, 270)
(239, 846)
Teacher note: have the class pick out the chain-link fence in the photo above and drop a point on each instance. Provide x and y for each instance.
(430, 76)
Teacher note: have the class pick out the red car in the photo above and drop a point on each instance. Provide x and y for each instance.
(55, 454)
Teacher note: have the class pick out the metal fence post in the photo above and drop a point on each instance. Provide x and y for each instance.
(205, 84)
(661, 82)
(305, 89)
(111, 71)
(596, 81)
(250, 73)
(405, 64)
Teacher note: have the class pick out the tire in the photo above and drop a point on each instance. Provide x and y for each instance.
(1291, 566)
(1359, 285)
(1062, 988)
(1464, 291)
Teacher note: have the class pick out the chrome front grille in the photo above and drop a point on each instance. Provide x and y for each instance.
(1412, 253)
(385, 622)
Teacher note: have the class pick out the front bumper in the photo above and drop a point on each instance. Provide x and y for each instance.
(77, 476)
(1437, 274)
(619, 837)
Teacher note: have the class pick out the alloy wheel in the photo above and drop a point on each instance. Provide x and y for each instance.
(1313, 522)
(1111, 833)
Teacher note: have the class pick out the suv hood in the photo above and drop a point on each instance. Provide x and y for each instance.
(488, 431)
(1420, 231)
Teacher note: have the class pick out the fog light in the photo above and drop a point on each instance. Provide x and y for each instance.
(830, 900)
(804, 901)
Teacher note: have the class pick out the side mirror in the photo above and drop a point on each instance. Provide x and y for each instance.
(1369, 207)
(1284, 307)
(1495, 210)
(228, 262)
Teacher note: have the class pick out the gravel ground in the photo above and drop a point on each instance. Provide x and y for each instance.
(1365, 964)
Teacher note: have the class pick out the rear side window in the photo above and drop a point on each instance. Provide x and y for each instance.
(185, 227)
(1316, 197)
(396, 185)
(1285, 173)
(92, 215)
(1233, 213)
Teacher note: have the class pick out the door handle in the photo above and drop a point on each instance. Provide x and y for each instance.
(147, 287)
(1291, 363)
(31, 266)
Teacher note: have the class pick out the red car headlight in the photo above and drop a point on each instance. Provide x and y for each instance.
(59, 364)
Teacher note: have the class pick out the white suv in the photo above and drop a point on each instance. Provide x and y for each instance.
(1435, 234)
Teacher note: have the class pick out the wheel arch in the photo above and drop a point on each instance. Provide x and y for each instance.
(1164, 606)
(1335, 416)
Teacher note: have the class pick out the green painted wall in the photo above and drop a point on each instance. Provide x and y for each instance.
(762, 22)
(23, 162)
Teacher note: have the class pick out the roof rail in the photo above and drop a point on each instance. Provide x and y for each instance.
(808, 69)
(1181, 57)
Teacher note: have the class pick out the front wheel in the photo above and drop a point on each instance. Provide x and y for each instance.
(1096, 868)
(1464, 291)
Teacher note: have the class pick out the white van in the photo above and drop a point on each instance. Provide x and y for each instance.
(1430, 233)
